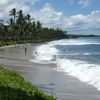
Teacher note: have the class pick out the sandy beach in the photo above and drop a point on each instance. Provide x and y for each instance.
(44, 76)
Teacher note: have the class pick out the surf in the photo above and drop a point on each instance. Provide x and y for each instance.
(83, 70)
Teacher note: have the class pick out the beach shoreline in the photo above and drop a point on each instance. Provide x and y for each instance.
(44, 76)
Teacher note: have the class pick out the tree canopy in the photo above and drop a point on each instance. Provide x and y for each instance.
(23, 27)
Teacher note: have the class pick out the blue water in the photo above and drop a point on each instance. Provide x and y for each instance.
(77, 57)
(87, 52)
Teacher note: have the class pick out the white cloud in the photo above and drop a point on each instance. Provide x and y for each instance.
(84, 22)
(7, 5)
(3, 2)
(71, 2)
(83, 3)
(52, 18)
(49, 17)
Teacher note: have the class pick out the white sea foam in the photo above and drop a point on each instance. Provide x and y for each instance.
(85, 72)
(74, 42)
(86, 53)
(80, 54)
(45, 54)
(89, 73)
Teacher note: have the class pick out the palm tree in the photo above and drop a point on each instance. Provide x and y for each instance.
(38, 29)
(38, 26)
(10, 33)
(21, 22)
(20, 13)
(10, 22)
(28, 18)
(20, 18)
(13, 13)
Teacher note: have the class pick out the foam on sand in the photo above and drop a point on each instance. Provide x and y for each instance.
(84, 71)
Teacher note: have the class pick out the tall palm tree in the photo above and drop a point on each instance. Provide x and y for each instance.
(28, 18)
(10, 33)
(38, 25)
(20, 18)
(38, 29)
(20, 13)
(10, 22)
(13, 13)
(21, 22)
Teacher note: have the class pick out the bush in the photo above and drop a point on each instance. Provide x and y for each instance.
(14, 87)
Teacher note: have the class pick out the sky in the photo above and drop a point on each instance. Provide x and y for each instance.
(74, 16)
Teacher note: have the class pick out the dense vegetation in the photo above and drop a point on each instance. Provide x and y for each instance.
(21, 27)
(14, 87)
(77, 36)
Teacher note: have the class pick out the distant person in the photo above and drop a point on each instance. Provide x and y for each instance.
(25, 50)
(35, 53)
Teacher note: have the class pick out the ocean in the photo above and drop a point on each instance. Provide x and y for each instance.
(78, 57)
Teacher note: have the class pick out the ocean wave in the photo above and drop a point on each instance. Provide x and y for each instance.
(83, 54)
(91, 53)
(45, 54)
(74, 42)
(78, 54)
(84, 71)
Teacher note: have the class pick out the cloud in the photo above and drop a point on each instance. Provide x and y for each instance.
(71, 2)
(82, 22)
(3, 2)
(52, 18)
(83, 3)
(49, 17)
(7, 5)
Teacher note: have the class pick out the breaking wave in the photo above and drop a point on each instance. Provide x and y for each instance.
(84, 71)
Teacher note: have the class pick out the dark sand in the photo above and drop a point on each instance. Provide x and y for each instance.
(44, 76)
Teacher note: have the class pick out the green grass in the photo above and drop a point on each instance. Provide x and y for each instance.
(6, 43)
(14, 87)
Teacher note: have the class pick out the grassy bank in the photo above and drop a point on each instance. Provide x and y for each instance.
(6, 43)
(3, 43)
(67, 36)
(14, 87)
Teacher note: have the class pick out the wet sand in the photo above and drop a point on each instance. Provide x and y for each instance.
(44, 76)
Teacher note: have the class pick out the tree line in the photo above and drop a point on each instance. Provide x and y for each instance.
(23, 27)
